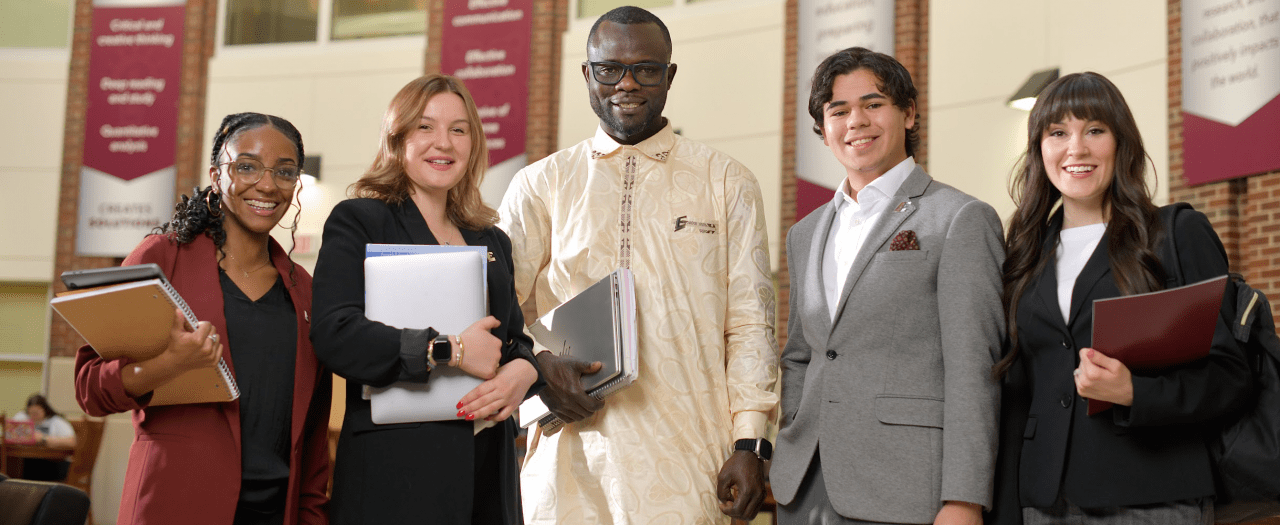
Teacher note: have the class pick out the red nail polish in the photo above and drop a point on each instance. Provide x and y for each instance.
(459, 405)
(462, 413)
(470, 417)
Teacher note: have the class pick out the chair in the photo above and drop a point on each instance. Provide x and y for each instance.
(88, 442)
(4, 449)
(41, 503)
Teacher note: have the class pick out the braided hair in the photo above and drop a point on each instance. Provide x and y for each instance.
(202, 213)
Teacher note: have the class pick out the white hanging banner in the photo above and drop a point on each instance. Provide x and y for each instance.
(824, 27)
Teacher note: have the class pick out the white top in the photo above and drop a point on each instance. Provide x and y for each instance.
(53, 426)
(852, 220)
(1075, 246)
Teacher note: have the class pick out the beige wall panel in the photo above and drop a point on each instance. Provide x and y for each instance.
(18, 380)
(29, 206)
(33, 92)
(987, 49)
(983, 50)
(978, 151)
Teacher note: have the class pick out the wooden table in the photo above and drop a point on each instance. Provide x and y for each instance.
(14, 454)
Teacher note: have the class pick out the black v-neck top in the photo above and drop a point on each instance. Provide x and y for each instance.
(262, 337)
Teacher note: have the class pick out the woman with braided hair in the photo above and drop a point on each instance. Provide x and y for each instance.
(263, 458)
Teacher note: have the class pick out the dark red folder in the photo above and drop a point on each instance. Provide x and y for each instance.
(1155, 330)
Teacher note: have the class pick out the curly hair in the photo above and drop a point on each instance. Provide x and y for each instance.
(202, 213)
(1133, 221)
(387, 181)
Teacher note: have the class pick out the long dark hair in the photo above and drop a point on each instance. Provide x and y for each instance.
(42, 402)
(1133, 220)
(202, 212)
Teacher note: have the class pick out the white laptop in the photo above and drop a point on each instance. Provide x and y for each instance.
(445, 291)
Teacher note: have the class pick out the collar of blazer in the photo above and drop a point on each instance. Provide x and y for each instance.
(903, 204)
(416, 225)
(1097, 267)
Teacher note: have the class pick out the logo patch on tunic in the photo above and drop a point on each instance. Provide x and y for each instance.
(683, 223)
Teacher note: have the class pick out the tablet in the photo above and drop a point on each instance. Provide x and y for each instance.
(80, 279)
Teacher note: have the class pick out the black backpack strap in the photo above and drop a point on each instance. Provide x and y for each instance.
(1169, 248)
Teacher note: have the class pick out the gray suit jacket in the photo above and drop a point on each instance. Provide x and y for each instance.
(898, 388)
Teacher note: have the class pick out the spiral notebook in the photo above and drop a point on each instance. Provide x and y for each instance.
(133, 319)
(598, 324)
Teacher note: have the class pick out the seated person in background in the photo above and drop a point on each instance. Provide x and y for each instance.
(52, 430)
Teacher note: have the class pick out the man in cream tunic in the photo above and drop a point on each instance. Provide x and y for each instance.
(689, 222)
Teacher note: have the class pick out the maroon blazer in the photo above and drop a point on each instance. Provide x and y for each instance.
(184, 464)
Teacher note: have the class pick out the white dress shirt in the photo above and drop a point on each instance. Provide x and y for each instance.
(852, 221)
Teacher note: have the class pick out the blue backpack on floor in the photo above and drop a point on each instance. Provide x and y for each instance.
(1246, 453)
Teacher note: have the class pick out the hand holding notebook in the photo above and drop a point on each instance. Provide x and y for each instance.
(1157, 330)
(133, 312)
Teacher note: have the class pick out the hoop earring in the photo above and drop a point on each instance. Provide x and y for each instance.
(215, 210)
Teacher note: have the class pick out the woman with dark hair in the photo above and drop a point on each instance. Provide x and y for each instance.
(1086, 229)
(264, 458)
(52, 430)
(423, 188)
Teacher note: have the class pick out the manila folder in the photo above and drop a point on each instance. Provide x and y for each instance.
(133, 320)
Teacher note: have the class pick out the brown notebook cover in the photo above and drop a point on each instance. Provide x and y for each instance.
(133, 320)
(1159, 329)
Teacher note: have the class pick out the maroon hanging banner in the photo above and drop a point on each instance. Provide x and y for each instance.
(127, 177)
(486, 44)
(1230, 89)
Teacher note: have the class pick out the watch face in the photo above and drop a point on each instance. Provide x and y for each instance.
(440, 349)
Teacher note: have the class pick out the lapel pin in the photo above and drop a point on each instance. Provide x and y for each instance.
(904, 206)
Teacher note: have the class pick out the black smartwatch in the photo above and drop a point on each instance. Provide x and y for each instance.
(441, 350)
(760, 446)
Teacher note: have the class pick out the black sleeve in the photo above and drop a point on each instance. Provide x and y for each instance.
(345, 341)
(1207, 388)
(516, 343)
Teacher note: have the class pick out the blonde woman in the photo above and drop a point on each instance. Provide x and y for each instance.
(423, 188)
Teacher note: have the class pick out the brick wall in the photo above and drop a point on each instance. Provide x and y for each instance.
(911, 47)
(198, 45)
(1246, 211)
(550, 20)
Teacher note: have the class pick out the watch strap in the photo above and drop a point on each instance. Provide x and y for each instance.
(758, 446)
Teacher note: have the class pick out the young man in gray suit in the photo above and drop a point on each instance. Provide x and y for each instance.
(889, 408)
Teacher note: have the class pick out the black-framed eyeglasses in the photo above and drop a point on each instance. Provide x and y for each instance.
(250, 171)
(644, 73)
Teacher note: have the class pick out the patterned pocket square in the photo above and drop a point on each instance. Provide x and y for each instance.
(904, 240)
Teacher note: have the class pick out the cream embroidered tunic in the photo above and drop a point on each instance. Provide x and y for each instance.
(688, 221)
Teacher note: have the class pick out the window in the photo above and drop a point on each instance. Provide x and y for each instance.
(257, 22)
(35, 23)
(377, 18)
(595, 8)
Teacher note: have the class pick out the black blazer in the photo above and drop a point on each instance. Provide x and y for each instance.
(1151, 452)
(411, 472)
